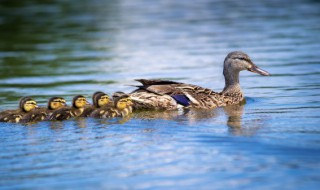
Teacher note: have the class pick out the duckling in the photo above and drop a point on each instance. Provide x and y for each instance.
(121, 108)
(124, 105)
(77, 108)
(99, 99)
(5, 112)
(26, 105)
(40, 114)
(124, 102)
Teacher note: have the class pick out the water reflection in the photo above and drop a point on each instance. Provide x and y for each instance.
(56, 125)
(232, 118)
(234, 114)
(229, 116)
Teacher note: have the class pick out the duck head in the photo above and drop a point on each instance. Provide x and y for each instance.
(94, 95)
(238, 61)
(118, 94)
(100, 99)
(79, 101)
(123, 101)
(27, 104)
(55, 103)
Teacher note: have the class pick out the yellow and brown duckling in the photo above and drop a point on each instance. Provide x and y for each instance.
(40, 114)
(121, 108)
(99, 99)
(77, 108)
(26, 105)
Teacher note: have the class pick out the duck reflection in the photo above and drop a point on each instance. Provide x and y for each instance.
(233, 115)
(81, 122)
(156, 114)
(56, 125)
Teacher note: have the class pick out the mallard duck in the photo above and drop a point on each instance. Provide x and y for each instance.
(78, 104)
(26, 105)
(40, 114)
(121, 108)
(99, 99)
(170, 95)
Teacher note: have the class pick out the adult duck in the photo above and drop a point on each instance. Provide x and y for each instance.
(170, 95)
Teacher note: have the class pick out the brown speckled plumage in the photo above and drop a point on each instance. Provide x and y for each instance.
(42, 113)
(69, 112)
(160, 94)
(110, 111)
(15, 116)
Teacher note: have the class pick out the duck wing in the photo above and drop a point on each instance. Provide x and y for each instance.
(105, 112)
(184, 94)
(39, 114)
(13, 117)
(87, 111)
(202, 97)
(61, 114)
(147, 82)
(160, 87)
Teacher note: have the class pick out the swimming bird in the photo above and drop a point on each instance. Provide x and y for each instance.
(99, 99)
(26, 105)
(40, 114)
(77, 108)
(121, 108)
(170, 95)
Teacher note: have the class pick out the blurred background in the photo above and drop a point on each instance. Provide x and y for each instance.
(65, 48)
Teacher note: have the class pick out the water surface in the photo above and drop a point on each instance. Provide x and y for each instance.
(68, 48)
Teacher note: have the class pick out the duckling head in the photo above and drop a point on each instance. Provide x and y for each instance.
(238, 61)
(118, 94)
(100, 99)
(27, 104)
(94, 96)
(123, 102)
(55, 103)
(79, 101)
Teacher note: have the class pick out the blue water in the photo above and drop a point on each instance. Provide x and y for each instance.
(65, 48)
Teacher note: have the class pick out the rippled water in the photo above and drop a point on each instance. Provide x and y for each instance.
(67, 48)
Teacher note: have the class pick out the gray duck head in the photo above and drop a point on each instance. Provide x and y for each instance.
(238, 61)
(234, 63)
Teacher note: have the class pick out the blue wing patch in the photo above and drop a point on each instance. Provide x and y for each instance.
(181, 99)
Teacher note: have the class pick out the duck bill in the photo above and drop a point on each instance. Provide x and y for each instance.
(259, 71)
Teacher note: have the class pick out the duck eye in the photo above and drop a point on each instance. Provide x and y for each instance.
(33, 103)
